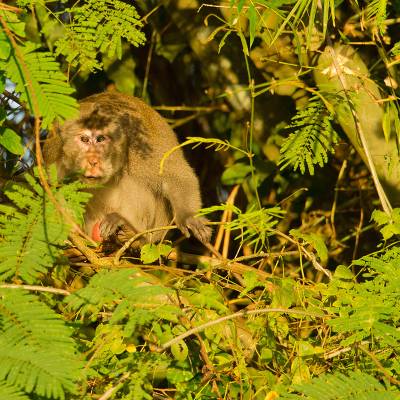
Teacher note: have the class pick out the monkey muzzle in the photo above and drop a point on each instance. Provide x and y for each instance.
(92, 167)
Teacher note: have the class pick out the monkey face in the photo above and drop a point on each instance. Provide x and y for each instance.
(96, 155)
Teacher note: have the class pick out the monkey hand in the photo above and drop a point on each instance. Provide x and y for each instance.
(197, 225)
(111, 224)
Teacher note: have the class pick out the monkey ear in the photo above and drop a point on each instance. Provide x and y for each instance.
(52, 148)
(55, 128)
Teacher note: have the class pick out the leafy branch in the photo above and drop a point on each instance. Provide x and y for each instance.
(313, 137)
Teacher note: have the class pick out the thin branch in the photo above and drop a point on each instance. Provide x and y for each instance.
(381, 193)
(218, 263)
(380, 367)
(134, 238)
(36, 288)
(233, 316)
(310, 256)
(113, 389)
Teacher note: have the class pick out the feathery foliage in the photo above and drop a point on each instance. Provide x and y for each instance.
(131, 298)
(37, 354)
(97, 27)
(374, 313)
(337, 386)
(311, 140)
(36, 74)
(376, 14)
(10, 392)
(33, 231)
(254, 225)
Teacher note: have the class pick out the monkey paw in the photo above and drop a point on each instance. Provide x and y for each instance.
(197, 225)
(111, 224)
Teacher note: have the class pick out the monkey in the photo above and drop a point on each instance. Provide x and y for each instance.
(115, 146)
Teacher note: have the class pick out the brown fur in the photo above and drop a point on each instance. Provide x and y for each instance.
(126, 163)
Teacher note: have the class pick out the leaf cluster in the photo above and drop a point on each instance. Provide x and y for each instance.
(33, 231)
(312, 137)
(98, 27)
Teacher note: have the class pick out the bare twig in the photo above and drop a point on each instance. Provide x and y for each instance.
(217, 263)
(36, 288)
(113, 389)
(310, 256)
(233, 316)
(381, 193)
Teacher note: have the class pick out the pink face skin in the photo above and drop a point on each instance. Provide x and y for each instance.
(93, 145)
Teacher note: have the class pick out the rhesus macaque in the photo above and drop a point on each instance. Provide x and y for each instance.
(117, 143)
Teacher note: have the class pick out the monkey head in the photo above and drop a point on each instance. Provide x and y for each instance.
(94, 147)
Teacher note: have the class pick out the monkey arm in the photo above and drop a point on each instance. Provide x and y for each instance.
(182, 191)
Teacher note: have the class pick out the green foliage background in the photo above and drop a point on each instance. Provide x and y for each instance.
(289, 112)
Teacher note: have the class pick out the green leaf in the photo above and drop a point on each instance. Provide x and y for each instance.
(151, 252)
(306, 349)
(180, 351)
(300, 370)
(315, 241)
(390, 223)
(10, 392)
(319, 244)
(11, 141)
(240, 5)
(37, 353)
(245, 48)
(343, 272)
(98, 26)
(175, 375)
(312, 138)
(252, 16)
(33, 232)
(16, 26)
(222, 42)
(337, 386)
(5, 46)
(386, 122)
(236, 173)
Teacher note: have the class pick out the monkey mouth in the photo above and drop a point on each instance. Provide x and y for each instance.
(92, 178)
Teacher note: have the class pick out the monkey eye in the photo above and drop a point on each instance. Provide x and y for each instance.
(84, 139)
(100, 138)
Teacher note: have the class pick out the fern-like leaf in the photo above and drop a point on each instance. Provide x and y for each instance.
(311, 140)
(357, 385)
(38, 78)
(37, 353)
(255, 225)
(375, 303)
(130, 296)
(376, 14)
(33, 231)
(395, 50)
(98, 26)
(10, 392)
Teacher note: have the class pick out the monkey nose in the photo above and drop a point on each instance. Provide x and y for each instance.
(93, 161)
